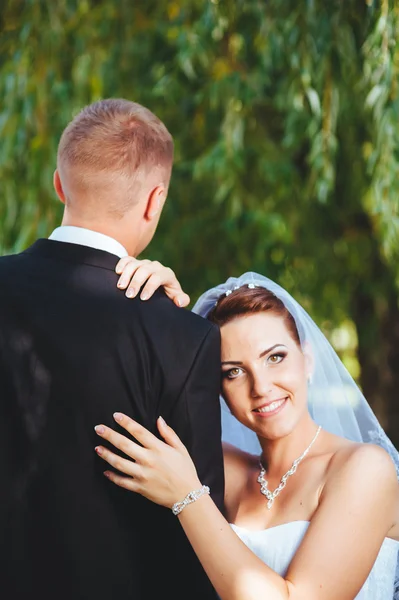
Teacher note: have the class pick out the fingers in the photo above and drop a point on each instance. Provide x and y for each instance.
(153, 283)
(120, 464)
(124, 482)
(164, 276)
(141, 275)
(122, 263)
(172, 287)
(127, 260)
(174, 292)
(121, 442)
(135, 273)
(170, 436)
(140, 433)
(182, 300)
(125, 265)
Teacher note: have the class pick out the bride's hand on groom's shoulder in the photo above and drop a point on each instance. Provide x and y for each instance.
(148, 276)
(161, 471)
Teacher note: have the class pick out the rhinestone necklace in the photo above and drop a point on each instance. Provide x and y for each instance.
(271, 496)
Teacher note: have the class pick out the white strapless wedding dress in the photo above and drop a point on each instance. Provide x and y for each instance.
(276, 547)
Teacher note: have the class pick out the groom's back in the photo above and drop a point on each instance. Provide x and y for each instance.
(73, 350)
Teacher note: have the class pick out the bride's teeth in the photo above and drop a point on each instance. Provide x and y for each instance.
(270, 407)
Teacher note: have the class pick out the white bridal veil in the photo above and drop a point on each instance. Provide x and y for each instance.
(335, 401)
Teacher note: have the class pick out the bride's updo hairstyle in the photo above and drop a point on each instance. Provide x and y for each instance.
(250, 300)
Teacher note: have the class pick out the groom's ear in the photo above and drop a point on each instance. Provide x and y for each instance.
(155, 202)
(58, 186)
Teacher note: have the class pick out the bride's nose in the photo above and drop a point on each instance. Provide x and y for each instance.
(261, 385)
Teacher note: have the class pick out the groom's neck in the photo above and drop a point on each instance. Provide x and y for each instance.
(113, 228)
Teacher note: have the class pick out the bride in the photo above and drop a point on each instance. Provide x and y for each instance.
(311, 512)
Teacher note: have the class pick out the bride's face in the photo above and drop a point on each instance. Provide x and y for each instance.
(264, 374)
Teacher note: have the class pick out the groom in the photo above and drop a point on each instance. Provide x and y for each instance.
(73, 350)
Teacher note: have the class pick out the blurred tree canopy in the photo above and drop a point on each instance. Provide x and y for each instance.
(286, 122)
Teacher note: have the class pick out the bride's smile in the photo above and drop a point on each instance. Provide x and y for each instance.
(270, 408)
(264, 374)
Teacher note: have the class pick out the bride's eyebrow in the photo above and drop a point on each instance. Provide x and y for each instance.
(261, 355)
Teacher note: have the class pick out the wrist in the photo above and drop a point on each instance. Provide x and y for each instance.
(192, 496)
(185, 488)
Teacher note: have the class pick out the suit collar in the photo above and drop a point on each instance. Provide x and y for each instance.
(73, 253)
(87, 237)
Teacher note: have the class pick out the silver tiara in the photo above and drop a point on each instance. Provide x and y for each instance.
(251, 286)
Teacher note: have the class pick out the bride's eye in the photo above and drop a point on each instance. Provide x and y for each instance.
(232, 373)
(274, 359)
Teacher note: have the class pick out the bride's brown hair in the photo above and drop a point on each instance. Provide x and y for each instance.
(246, 301)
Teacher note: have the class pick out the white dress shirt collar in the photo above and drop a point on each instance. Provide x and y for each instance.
(87, 237)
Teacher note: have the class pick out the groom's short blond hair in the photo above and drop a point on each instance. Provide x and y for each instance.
(111, 141)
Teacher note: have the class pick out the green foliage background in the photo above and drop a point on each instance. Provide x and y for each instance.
(285, 117)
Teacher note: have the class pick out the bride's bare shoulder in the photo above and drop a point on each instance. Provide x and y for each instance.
(236, 458)
(364, 469)
(238, 466)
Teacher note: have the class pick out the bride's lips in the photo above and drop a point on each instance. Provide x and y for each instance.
(270, 408)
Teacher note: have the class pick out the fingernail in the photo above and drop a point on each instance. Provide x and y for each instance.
(144, 296)
(162, 420)
(99, 429)
(106, 473)
(120, 283)
(130, 293)
(118, 416)
(98, 449)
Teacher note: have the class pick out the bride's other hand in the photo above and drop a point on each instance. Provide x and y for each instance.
(135, 273)
(161, 471)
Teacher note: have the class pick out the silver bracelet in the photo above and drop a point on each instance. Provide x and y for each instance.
(191, 497)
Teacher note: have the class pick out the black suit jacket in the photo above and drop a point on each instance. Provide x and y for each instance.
(73, 350)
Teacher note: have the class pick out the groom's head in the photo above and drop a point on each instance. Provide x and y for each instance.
(113, 169)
